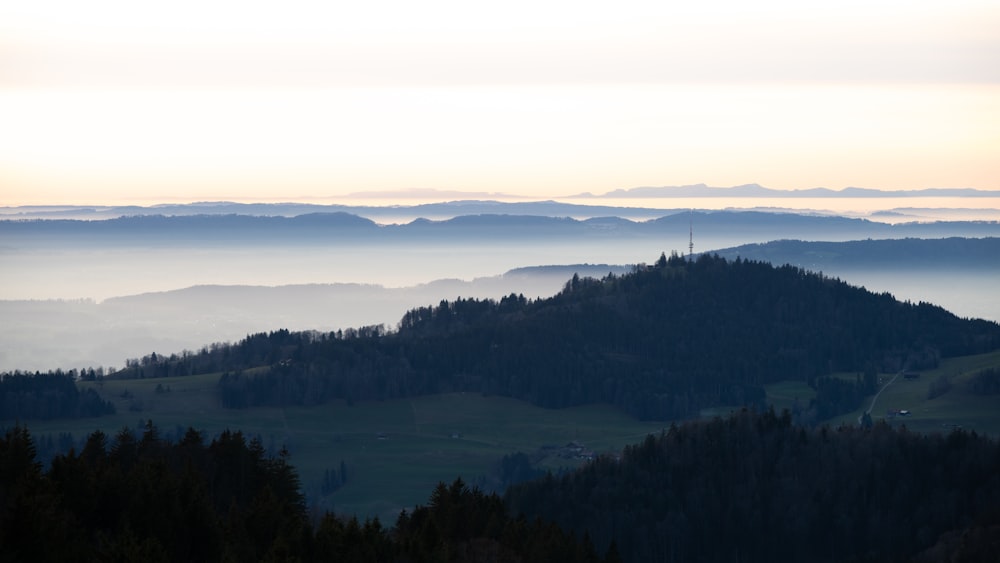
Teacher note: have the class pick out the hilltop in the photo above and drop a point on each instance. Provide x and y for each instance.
(661, 342)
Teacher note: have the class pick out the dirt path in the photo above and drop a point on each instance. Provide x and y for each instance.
(875, 398)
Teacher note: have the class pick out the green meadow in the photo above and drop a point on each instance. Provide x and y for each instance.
(955, 408)
(785, 394)
(395, 452)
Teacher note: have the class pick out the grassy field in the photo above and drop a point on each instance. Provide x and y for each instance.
(395, 451)
(783, 395)
(955, 408)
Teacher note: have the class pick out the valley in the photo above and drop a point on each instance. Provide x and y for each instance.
(377, 393)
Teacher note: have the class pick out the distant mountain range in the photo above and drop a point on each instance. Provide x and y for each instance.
(755, 190)
(472, 204)
(711, 229)
(388, 213)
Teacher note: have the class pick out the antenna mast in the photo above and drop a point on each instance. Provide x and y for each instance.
(690, 238)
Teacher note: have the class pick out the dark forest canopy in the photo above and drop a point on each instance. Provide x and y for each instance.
(43, 396)
(142, 498)
(750, 487)
(755, 487)
(661, 343)
(139, 498)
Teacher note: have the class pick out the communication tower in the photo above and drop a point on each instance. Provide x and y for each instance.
(690, 239)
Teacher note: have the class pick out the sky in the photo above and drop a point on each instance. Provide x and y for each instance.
(118, 102)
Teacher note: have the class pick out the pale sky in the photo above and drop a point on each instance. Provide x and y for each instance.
(110, 102)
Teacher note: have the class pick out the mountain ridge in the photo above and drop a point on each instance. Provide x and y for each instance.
(756, 190)
(459, 203)
(770, 225)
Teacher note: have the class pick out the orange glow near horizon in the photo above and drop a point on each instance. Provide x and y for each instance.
(110, 103)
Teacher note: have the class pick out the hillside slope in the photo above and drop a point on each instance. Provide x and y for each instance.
(661, 343)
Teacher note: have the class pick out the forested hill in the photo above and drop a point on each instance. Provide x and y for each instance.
(660, 343)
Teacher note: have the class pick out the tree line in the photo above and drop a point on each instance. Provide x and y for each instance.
(985, 382)
(43, 396)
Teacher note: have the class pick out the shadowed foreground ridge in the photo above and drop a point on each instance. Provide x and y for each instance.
(750, 487)
(145, 499)
(759, 488)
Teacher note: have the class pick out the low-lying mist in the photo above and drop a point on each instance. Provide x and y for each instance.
(67, 334)
(105, 272)
(88, 294)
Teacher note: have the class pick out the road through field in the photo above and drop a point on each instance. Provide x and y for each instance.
(875, 398)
